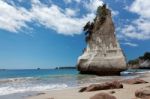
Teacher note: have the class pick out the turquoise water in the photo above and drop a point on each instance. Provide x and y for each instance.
(18, 81)
(31, 80)
(35, 73)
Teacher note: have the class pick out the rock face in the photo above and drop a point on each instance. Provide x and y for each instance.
(103, 55)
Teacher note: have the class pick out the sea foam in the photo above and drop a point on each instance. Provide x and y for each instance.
(11, 90)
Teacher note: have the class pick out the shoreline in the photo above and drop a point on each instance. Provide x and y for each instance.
(128, 91)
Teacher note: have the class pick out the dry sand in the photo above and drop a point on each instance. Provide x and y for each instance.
(128, 92)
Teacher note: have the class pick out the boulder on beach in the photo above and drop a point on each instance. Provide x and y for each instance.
(102, 86)
(103, 55)
(103, 96)
(134, 81)
(143, 93)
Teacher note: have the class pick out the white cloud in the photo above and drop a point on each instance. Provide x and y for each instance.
(139, 28)
(130, 44)
(63, 21)
(70, 12)
(60, 20)
(70, 1)
(92, 5)
(114, 13)
(13, 18)
(141, 7)
(78, 1)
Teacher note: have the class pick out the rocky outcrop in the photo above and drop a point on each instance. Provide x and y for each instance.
(139, 64)
(103, 96)
(134, 81)
(142, 62)
(103, 55)
(145, 64)
(103, 86)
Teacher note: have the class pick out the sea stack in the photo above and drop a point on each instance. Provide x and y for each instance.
(103, 55)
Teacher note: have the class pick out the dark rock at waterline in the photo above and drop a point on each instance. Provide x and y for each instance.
(38, 94)
(103, 96)
(103, 86)
(83, 89)
(105, 72)
(103, 55)
(134, 81)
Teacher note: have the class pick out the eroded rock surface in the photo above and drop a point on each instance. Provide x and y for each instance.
(143, 93)
(103, 55)
(103, 86)
(134, 81)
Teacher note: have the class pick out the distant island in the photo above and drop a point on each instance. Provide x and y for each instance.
(67, 67)
(2, 69)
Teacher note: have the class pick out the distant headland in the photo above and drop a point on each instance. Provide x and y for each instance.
(67, 67)
(142, 62)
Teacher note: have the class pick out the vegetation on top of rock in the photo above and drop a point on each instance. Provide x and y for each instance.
(88, 30)
(102, 12)
(133, 62)
(100, 18)
(146, 56)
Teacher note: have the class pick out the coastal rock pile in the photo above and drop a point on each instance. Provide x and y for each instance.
(103, 55)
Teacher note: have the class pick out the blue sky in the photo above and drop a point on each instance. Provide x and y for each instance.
(48, 33)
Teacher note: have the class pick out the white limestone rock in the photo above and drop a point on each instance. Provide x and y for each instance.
(103, 55)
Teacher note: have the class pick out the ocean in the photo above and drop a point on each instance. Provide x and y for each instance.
(16, 82)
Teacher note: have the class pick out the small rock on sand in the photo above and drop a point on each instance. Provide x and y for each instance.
(112, 92)
(103, 96)
(143, 93)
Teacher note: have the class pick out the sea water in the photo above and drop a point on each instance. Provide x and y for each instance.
(14, 82)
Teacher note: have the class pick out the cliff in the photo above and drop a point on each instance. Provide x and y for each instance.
(103, 55)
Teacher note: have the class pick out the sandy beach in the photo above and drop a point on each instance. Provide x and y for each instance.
(127, 92)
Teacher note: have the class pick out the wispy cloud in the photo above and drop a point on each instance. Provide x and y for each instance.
(70, 1)
(63, 21)
(138, 28)
(59, 19)
(130, 44)
(13, 18)
(92, 5)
